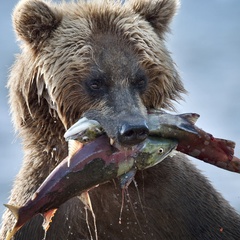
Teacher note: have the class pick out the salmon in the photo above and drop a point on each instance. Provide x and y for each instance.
(95, 163)
(192, 140)
(94, 159)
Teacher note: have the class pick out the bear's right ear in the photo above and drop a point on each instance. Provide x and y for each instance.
(34, 21)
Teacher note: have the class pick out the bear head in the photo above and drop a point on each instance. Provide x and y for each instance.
(106, 59)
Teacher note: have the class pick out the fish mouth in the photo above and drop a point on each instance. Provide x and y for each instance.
(84, 130)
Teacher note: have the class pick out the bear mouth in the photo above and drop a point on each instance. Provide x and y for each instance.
(85, 131)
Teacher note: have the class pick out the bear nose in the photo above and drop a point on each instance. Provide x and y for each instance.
(132, 134)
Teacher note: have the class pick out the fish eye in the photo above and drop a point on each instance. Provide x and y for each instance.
(85, 139)
(160, 150)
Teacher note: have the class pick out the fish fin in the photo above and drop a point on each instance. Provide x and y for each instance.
(13, 209)
(48, 218)
(73, 147)
(191, 117)
(188, 128)
(127, 178)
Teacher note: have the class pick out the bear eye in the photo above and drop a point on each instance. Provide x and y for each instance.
(96, 87)
(95, 84)
(140, 81)
(140, 84)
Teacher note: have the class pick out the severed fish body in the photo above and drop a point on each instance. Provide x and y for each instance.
(96, 163)
(192, 140)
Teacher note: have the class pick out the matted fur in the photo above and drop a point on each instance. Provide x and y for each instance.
(83, 21)
(60, 45)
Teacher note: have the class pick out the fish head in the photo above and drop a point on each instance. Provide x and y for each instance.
(153, 151)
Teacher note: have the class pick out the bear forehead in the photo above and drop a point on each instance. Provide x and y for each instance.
(88, 23)
(113, 57)
(112, 40)
(67, 41)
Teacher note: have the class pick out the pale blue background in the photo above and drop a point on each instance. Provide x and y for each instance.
(205, 43)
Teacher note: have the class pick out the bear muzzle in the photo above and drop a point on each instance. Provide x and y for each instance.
(132, 133)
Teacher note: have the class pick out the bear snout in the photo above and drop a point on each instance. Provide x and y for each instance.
(131, 134)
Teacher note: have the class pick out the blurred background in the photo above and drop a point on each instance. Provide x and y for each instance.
(205, 44)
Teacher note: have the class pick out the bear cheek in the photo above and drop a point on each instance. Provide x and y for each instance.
(72, 108)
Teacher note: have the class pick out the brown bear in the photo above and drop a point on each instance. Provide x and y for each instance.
(108, 56)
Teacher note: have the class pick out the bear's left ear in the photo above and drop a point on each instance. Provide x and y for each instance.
(34, 21)
(158, 13)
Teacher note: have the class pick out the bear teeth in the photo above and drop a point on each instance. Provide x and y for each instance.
(112, 141)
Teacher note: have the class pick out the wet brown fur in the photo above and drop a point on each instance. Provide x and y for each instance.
(62, 46)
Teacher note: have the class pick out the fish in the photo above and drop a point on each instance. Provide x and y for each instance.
(91, 153)
(95, 163)
(192, 140)
(155, 150)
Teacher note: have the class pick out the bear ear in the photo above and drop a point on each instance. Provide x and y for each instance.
(158, 13)
(34, 21)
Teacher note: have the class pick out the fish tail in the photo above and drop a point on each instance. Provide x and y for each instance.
(15, 212)
(10, 234)
(13, 209)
